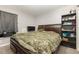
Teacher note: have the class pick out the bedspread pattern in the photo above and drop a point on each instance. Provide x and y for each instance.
(39, 42)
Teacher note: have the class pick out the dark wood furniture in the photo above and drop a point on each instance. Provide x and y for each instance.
(68, 30)
(30, 28)
(51, 27)
(18, 49)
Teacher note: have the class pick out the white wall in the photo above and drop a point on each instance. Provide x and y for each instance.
(54, 17)
(77, 28)
(24, 19)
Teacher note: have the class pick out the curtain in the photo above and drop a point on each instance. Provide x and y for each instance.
(8, 22)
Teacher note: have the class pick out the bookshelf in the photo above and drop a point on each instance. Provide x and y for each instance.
(68, 30)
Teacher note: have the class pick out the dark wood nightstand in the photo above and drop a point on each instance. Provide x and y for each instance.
(30, 28)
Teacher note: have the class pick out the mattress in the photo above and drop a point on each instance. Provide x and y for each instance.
(39, 42)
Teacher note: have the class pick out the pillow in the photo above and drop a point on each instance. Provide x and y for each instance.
(41, 30)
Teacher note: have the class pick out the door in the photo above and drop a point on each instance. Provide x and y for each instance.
(9, 22)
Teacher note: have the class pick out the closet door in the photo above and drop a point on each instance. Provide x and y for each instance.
(0, 24)
(13, 22)
(15, 17)
(8, 22)
(3, 22)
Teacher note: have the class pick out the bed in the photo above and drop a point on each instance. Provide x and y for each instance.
(44, 41)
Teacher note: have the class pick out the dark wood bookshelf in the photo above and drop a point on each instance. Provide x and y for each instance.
(68, 25)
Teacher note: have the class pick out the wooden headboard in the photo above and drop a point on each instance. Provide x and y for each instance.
(51, 27)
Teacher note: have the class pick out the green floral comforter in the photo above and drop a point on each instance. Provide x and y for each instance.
(39, 42)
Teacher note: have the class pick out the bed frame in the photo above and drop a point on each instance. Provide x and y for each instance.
(18, 49)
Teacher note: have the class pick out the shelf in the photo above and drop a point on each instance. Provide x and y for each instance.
(68, 37)
(68, 20)
(68, 31)
(69, 15)
(74, 42)
(68, 44)
(67, 40)
(68, 25)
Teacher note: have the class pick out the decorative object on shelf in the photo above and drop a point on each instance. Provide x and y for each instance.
(67, 23)
(69, 18)
(72, 11)
(72, 35)
(65, 34)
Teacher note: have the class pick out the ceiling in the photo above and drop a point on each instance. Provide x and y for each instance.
(35, 10)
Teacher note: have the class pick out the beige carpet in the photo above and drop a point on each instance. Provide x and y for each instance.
(67, 50)
(5, 48)
(4, 45)
(4, 41)
(62, 50)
